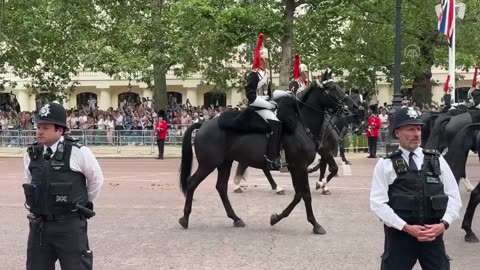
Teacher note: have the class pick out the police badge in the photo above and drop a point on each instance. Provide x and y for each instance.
(45, 110)
(412, 113)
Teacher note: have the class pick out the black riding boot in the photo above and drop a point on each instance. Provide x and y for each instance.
(273, 146)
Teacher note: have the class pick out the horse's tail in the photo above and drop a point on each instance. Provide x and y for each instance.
(240, 173)
(187, 157)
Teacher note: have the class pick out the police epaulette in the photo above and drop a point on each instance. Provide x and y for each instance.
(431, 152)
(74, 140)
(394, 153)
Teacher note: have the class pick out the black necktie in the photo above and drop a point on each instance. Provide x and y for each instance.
(411, 162)
(48, 154)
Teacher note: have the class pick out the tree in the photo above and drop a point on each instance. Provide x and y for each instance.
(360, 40)
(45, 41)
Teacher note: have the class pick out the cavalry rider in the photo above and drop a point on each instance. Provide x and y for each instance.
(300, 76)
(416, 196)
(474, 93)
(258, 92)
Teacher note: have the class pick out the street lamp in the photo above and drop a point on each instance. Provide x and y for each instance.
(392, 143)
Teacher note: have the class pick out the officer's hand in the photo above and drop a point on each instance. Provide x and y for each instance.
(416, 231)
(435, 229)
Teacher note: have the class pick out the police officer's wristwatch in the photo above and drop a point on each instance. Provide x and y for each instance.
(445, 224)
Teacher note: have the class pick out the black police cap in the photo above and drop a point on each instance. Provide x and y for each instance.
(52, 113)
(406, 116)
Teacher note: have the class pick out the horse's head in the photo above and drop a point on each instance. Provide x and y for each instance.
(332, 95)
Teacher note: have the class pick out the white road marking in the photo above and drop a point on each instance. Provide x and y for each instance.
(347, 170)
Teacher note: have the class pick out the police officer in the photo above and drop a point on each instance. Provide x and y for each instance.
(62, 179)
(416, 196)
(258, 92)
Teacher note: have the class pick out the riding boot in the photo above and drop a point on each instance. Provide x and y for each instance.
(273, 146)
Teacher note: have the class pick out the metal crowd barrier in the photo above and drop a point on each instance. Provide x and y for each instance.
(118, 139)
(98, 137)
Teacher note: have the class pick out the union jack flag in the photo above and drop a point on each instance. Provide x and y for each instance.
(445, 19)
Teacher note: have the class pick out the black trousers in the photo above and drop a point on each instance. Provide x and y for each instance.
(372, 146)
(65, 240)
(161, 147)
(403, 250)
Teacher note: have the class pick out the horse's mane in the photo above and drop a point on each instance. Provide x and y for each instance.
(288, 113)
(305, 93)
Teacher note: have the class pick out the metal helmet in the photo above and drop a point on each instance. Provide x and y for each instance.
(303, 68)
(52, 113)
(406, 116)
(264, 53)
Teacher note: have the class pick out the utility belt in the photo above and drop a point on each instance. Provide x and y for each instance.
(39, 219)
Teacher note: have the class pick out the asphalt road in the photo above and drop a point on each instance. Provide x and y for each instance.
(136, 226)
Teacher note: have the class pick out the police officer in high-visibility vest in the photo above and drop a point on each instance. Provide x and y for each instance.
(62, 179)
(416, 196)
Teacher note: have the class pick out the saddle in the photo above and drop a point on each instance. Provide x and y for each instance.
(244, 121)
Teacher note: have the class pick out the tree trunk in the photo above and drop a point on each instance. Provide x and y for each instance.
(287, 43)
(422, 83)
(160, 68)
(159, 87)
(422, 88)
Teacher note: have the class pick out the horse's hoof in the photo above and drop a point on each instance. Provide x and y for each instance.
(326, 192)
(317, 186)
(274, 219)
(238, 190)
(319, 230)
(239, 224)
(184, 222)
(471, 238)
(348, 163)
(280, 191)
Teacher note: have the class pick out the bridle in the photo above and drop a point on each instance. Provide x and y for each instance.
(333, 112)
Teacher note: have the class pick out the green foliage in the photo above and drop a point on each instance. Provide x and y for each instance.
(48, 41)
(45, 40)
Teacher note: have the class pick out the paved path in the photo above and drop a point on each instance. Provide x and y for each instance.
(136, 226)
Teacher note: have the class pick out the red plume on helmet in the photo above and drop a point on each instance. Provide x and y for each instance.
(475, 75)
(256, 53)
(445, 87)
(296, 67)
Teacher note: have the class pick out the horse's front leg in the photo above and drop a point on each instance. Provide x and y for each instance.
(469, 212)
(278, 189)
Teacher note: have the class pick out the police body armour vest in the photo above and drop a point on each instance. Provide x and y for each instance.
(56, 188)
(418, 196)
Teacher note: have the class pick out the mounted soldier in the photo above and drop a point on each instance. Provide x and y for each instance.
(259, 92)
(300, 76)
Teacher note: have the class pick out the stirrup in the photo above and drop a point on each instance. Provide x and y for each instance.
(273, 164)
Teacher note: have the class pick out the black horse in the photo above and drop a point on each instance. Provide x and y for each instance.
(456, 157)
(216, 148)
(333, 139)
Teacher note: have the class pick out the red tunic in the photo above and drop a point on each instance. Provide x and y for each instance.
(161, 129)
(373, 126)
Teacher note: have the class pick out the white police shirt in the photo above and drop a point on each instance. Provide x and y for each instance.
(81, 160)
(384, 175)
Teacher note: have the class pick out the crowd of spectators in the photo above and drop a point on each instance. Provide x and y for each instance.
(133, 114)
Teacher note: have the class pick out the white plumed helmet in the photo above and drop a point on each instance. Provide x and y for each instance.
(303, 68)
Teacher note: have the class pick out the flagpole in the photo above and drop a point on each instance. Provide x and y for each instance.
(451, 57)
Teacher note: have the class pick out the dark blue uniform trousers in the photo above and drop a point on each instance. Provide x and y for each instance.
(403, 250)
(65, 240)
